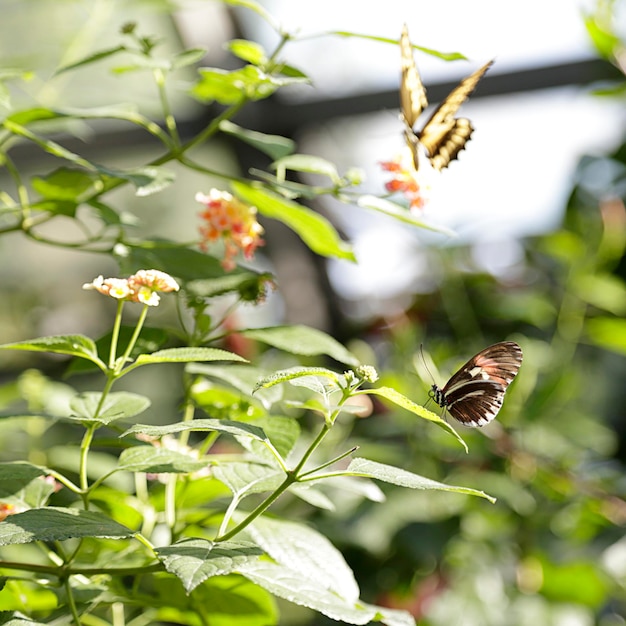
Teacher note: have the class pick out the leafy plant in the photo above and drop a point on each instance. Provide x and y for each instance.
(127, 522)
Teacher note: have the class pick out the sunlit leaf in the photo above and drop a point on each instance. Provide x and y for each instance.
(402, 401)
(303, 340)
(58, 524)
(402, 478)
(315, 230)
(274, 146)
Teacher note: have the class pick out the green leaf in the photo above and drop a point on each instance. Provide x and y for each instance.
(274, 146)
(18, 619)
(158, 461)
(68, 184)
(400, 213)
(234, 87)
(248, 478)
(147, 180)
(116, 406)
(195, 560)
(302, 340)
(249, 51)
(186, 355)
(297, 372)
(608, 332)
(402, 401)
(92, 58)
(225, 426)
(75, 345)
(316, 231)
(228, 600)
(58, 524)
(308, 552)
(306, 163)
(290, 585)
(242, 377)
(283, 432)
(397, 476)
(604, 291)
(187, 57)
(187, 264)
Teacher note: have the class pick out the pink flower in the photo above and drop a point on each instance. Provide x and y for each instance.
(407, 180)
(140, 287)
(234, 222)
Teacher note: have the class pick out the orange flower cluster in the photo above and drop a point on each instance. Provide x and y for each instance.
(406, 181)
(142, 286)
(227, 218)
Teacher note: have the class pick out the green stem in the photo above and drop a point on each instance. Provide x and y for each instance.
(133, 339)
(261, 508)
(302, 477)
(70, 600)
(84, 451)
(170, 120)
(170, 502)
(115, 334)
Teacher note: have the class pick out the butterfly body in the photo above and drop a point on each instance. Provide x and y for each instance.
(475, 393)
(443, 136)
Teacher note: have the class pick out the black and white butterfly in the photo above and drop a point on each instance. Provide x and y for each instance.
(475, 393)
(443, 136)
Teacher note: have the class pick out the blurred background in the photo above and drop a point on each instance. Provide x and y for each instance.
(536, 201)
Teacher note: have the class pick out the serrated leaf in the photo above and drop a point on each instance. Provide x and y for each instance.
(402, 401)
(315, 230)
(21, 620)
(73, 345)
(400, 213)
(195, 560)
(241, 377)
(283, 432)
(58, 524)
(116, 406)
(292, 586)
(248, 478)
(226, 426)
(304, 550)
(297, 372)
(274, 146)
(402, 478)
(186, 355)
(158, 461)
(302, 340)
(16, 476)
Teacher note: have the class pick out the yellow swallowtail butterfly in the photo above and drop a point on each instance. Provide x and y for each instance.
(443, 136)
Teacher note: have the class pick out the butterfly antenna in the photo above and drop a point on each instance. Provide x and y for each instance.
(426, 364)
(429, 372)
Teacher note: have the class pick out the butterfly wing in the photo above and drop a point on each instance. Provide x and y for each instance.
(443, 135)
(475, 393)
(412, 94)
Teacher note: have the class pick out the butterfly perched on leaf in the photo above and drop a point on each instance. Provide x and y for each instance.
(443, 136)
(475, 393)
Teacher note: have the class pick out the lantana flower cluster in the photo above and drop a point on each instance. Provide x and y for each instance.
(142, 286)
(231, 220)
(408, 181)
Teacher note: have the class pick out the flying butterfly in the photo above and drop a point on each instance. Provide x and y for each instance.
(475, 393)
(443, 136)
